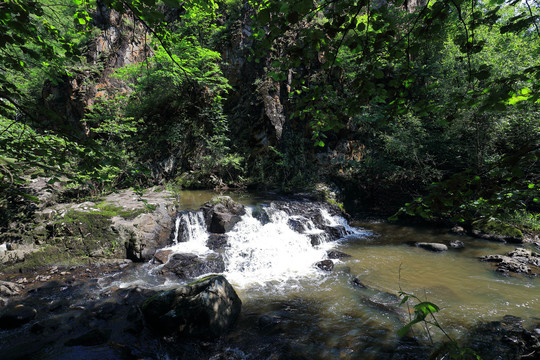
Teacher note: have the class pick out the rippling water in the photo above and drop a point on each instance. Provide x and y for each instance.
(325, 314)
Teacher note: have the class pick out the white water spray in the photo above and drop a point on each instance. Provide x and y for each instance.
(261, 252)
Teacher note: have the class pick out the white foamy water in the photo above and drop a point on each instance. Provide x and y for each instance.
(278, 251)
(258, 252)
(271, 252)
(190, 234)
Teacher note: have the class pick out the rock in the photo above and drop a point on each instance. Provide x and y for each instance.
(162, 256)
(437, 247)
(17, 316)
(357, 282)
(260, 214)
(217, 241)
(456, 244)
(317, 239)
(335, 254)
(517, 261)
(91, 338)
(297, 225)
(206, 309)
(505, 340)
(222, 213)
(335, 232)
(326, 265)
(10, 289)
(190, 266)
(145, 234)
(458, 230)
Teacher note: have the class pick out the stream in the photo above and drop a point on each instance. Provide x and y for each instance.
(294, 308)
(271, 266)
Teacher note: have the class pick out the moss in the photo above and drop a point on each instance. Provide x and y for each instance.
(109, 210)
(87, 234)
(49, 255)
(497, 227)
(203, 279)
(336, 203)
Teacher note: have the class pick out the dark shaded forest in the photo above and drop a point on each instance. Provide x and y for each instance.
(417, 109)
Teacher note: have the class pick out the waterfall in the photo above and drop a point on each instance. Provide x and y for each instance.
(270, 252)
(276, 243)
(190, 233)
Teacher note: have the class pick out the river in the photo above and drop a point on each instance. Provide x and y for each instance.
(326, 315)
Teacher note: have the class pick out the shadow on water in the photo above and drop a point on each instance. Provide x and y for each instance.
(76, 319)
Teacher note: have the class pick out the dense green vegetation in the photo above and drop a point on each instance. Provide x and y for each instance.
(432, 105)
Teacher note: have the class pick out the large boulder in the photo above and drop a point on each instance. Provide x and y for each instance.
(146, 233)
(206, 309)
(190, 266)
(222, 213)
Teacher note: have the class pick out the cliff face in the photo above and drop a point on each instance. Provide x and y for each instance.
(256, 107)
(255, 104)
(120, 42)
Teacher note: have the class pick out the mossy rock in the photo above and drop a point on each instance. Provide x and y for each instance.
(48, 255)
(497, 228)
(87, 234)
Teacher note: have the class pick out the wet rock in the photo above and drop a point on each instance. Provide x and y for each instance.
(336, 254)
(456, 244)
(222, 214)
(297, 225)
(505, 340)
(9, 288)
(162, 256)
(260, 214)
(317, 239)
(358, 283)
(16, 316)
(217, 241)
(519, 260)
(326, 265)
(189, 266)
(91, 338)
(335, 232)
(436, 247)
(206, 309)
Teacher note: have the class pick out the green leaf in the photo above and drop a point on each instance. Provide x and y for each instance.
(426, 308)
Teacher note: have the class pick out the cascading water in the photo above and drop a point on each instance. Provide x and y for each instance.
(190, 233)
(280, 246)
